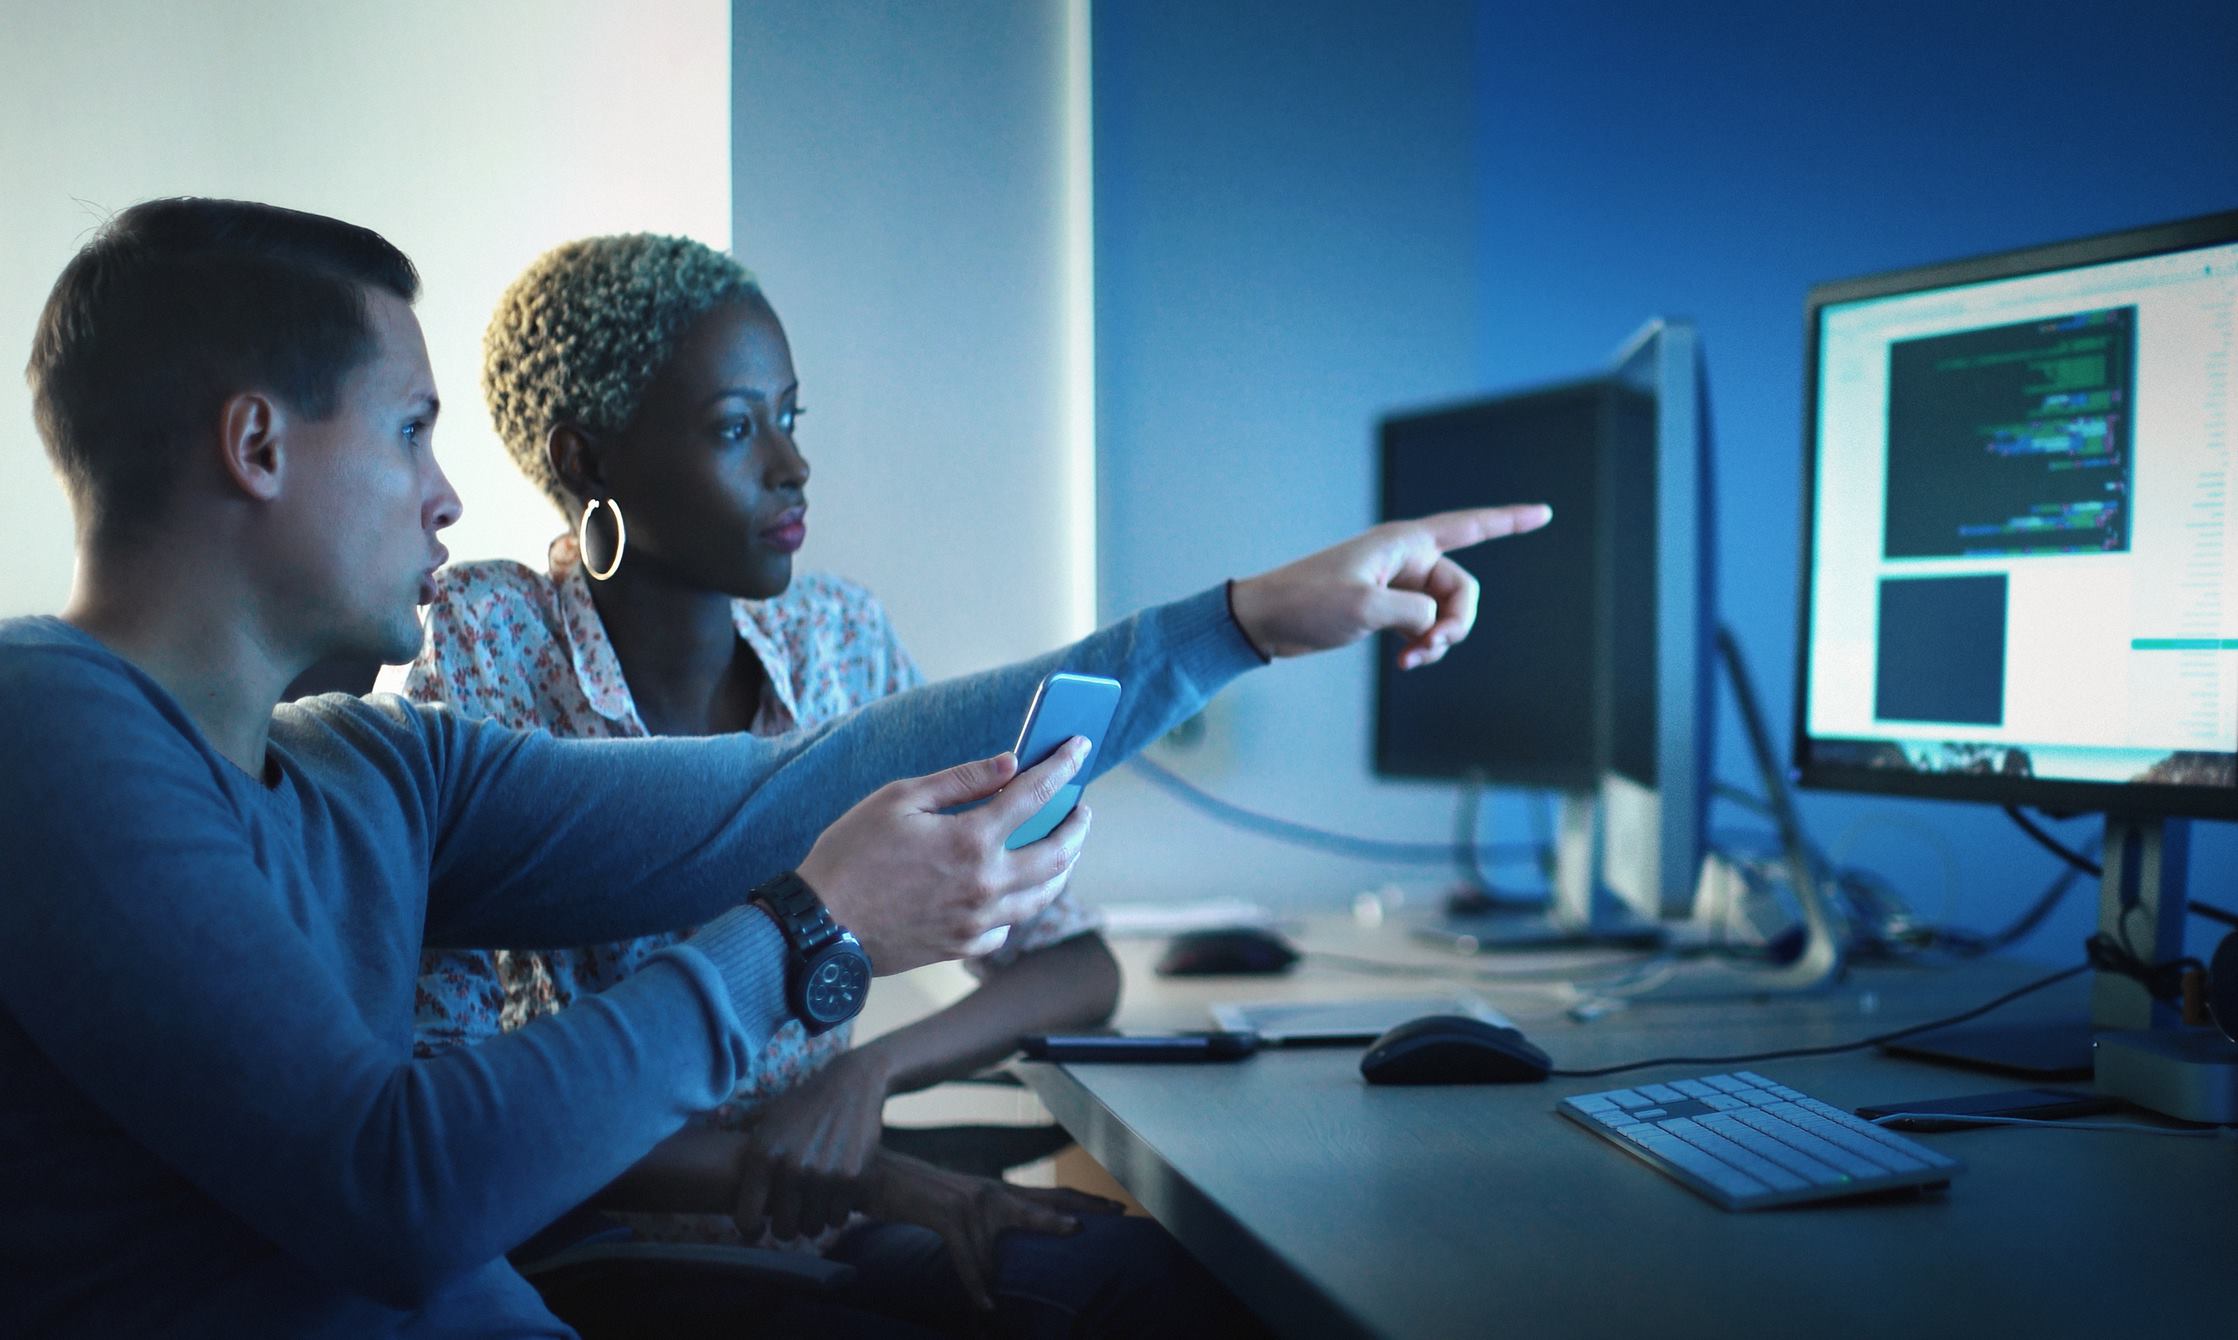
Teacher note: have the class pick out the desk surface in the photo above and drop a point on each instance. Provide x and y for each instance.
(1334, 1208)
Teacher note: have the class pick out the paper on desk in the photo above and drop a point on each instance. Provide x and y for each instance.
(1279, 1021)
(1143, 920)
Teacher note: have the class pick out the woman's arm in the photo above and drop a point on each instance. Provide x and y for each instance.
(812, 1145)
(1069, 985)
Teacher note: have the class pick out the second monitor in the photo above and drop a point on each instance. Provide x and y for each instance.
(1591, 671)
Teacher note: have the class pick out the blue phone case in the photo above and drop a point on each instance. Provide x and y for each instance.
(1064, 706)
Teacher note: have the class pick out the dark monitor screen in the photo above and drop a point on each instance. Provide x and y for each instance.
(1517, 702)
(2020, 567)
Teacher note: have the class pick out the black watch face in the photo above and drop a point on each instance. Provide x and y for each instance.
(836, 987)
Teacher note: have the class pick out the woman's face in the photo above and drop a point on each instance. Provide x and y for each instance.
(710, 484)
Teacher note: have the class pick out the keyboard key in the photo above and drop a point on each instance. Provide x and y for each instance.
(1724, 1083)
(1881, 1134)
(1760, 1097)
(1625, 1098)
(1731, 1181)
(1616, 1119)
(1786, 1156)
(1751, 1077)
(1833, 1132)
(1718, 1147)
(1805, 1143)
(1723, 1102)
(1662, 1093)
(1693, 1088)
(1650, 1113)
(1593, 1102)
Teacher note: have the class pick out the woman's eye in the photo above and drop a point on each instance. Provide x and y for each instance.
(415, 432)
(789, 417)
(738, 429)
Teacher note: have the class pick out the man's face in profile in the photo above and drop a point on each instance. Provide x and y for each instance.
(364, 499)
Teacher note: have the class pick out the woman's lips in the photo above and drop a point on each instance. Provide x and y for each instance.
(790, 532)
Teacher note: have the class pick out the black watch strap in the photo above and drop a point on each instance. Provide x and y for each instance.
(801, 916)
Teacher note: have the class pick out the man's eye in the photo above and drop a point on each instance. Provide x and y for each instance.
(416, 432)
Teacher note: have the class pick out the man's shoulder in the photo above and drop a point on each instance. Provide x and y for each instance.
(44, 659)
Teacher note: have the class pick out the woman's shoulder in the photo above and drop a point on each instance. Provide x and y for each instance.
(494, 639)
(827, 592)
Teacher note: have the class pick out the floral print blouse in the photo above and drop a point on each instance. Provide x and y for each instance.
(528, 650)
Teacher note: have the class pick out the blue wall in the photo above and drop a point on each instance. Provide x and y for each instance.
(1642, 157)
(1279, 189)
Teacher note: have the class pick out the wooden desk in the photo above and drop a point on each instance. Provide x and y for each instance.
(1333, 1208)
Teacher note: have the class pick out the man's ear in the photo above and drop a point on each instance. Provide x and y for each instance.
(573, 456)
(251, 429)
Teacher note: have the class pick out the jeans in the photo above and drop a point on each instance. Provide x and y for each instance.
(1117, 1277)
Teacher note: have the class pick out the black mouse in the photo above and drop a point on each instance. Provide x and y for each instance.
(1453, 1049)
(1235, 951)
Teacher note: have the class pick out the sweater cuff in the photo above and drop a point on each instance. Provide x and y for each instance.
(1201, 638)
(1229, 590)
(746, 948)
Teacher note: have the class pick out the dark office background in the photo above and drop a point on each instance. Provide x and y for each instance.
(1303, 209)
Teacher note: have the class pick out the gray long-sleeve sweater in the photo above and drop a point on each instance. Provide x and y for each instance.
(211, 1121)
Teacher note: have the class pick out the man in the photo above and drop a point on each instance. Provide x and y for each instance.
(209, 1111)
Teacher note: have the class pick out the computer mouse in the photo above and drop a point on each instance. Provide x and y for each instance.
(1233, 951)
(1453, 1049)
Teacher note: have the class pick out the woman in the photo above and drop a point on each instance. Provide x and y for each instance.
(646, 386)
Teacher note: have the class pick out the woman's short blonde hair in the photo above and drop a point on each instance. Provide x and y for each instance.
(584, 330)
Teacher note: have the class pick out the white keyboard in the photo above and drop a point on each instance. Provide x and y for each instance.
(1749, 1143)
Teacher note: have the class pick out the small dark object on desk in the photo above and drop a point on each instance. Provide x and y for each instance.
(1476, 900)
(1453, 1049)
(1138, 1047)
(1236, 951)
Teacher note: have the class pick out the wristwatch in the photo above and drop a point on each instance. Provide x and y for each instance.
(828, 975)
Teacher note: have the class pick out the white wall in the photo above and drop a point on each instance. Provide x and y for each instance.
(473, 135)
(909, 186)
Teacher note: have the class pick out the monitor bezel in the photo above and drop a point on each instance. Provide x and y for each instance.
(2126, 798)
(1563, 777)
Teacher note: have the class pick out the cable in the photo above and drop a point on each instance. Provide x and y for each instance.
(1831, 1049)
(2054, 845)
(2214, 913)
(2125, 1128)
(1305, 835)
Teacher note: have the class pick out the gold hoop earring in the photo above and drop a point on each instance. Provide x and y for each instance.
(583, 540)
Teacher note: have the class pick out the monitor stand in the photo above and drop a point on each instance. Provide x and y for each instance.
(1581, 915)
(2146, 1052)
(2138, 1048)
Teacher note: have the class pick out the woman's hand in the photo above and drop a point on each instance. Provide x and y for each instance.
(802, 1169)
(970, 1213)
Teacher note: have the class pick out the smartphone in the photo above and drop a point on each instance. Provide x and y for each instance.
(1064, 706)
(1138, 1046)
(2034, 1104)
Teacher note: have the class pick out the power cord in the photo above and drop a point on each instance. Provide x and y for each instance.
(2103, 953)
(1321, 839)
(1831, 1049)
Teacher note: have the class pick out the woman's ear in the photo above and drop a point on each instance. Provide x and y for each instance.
(573, 456)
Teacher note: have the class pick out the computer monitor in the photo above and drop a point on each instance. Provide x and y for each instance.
(1590, 674)
(2020, 569)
